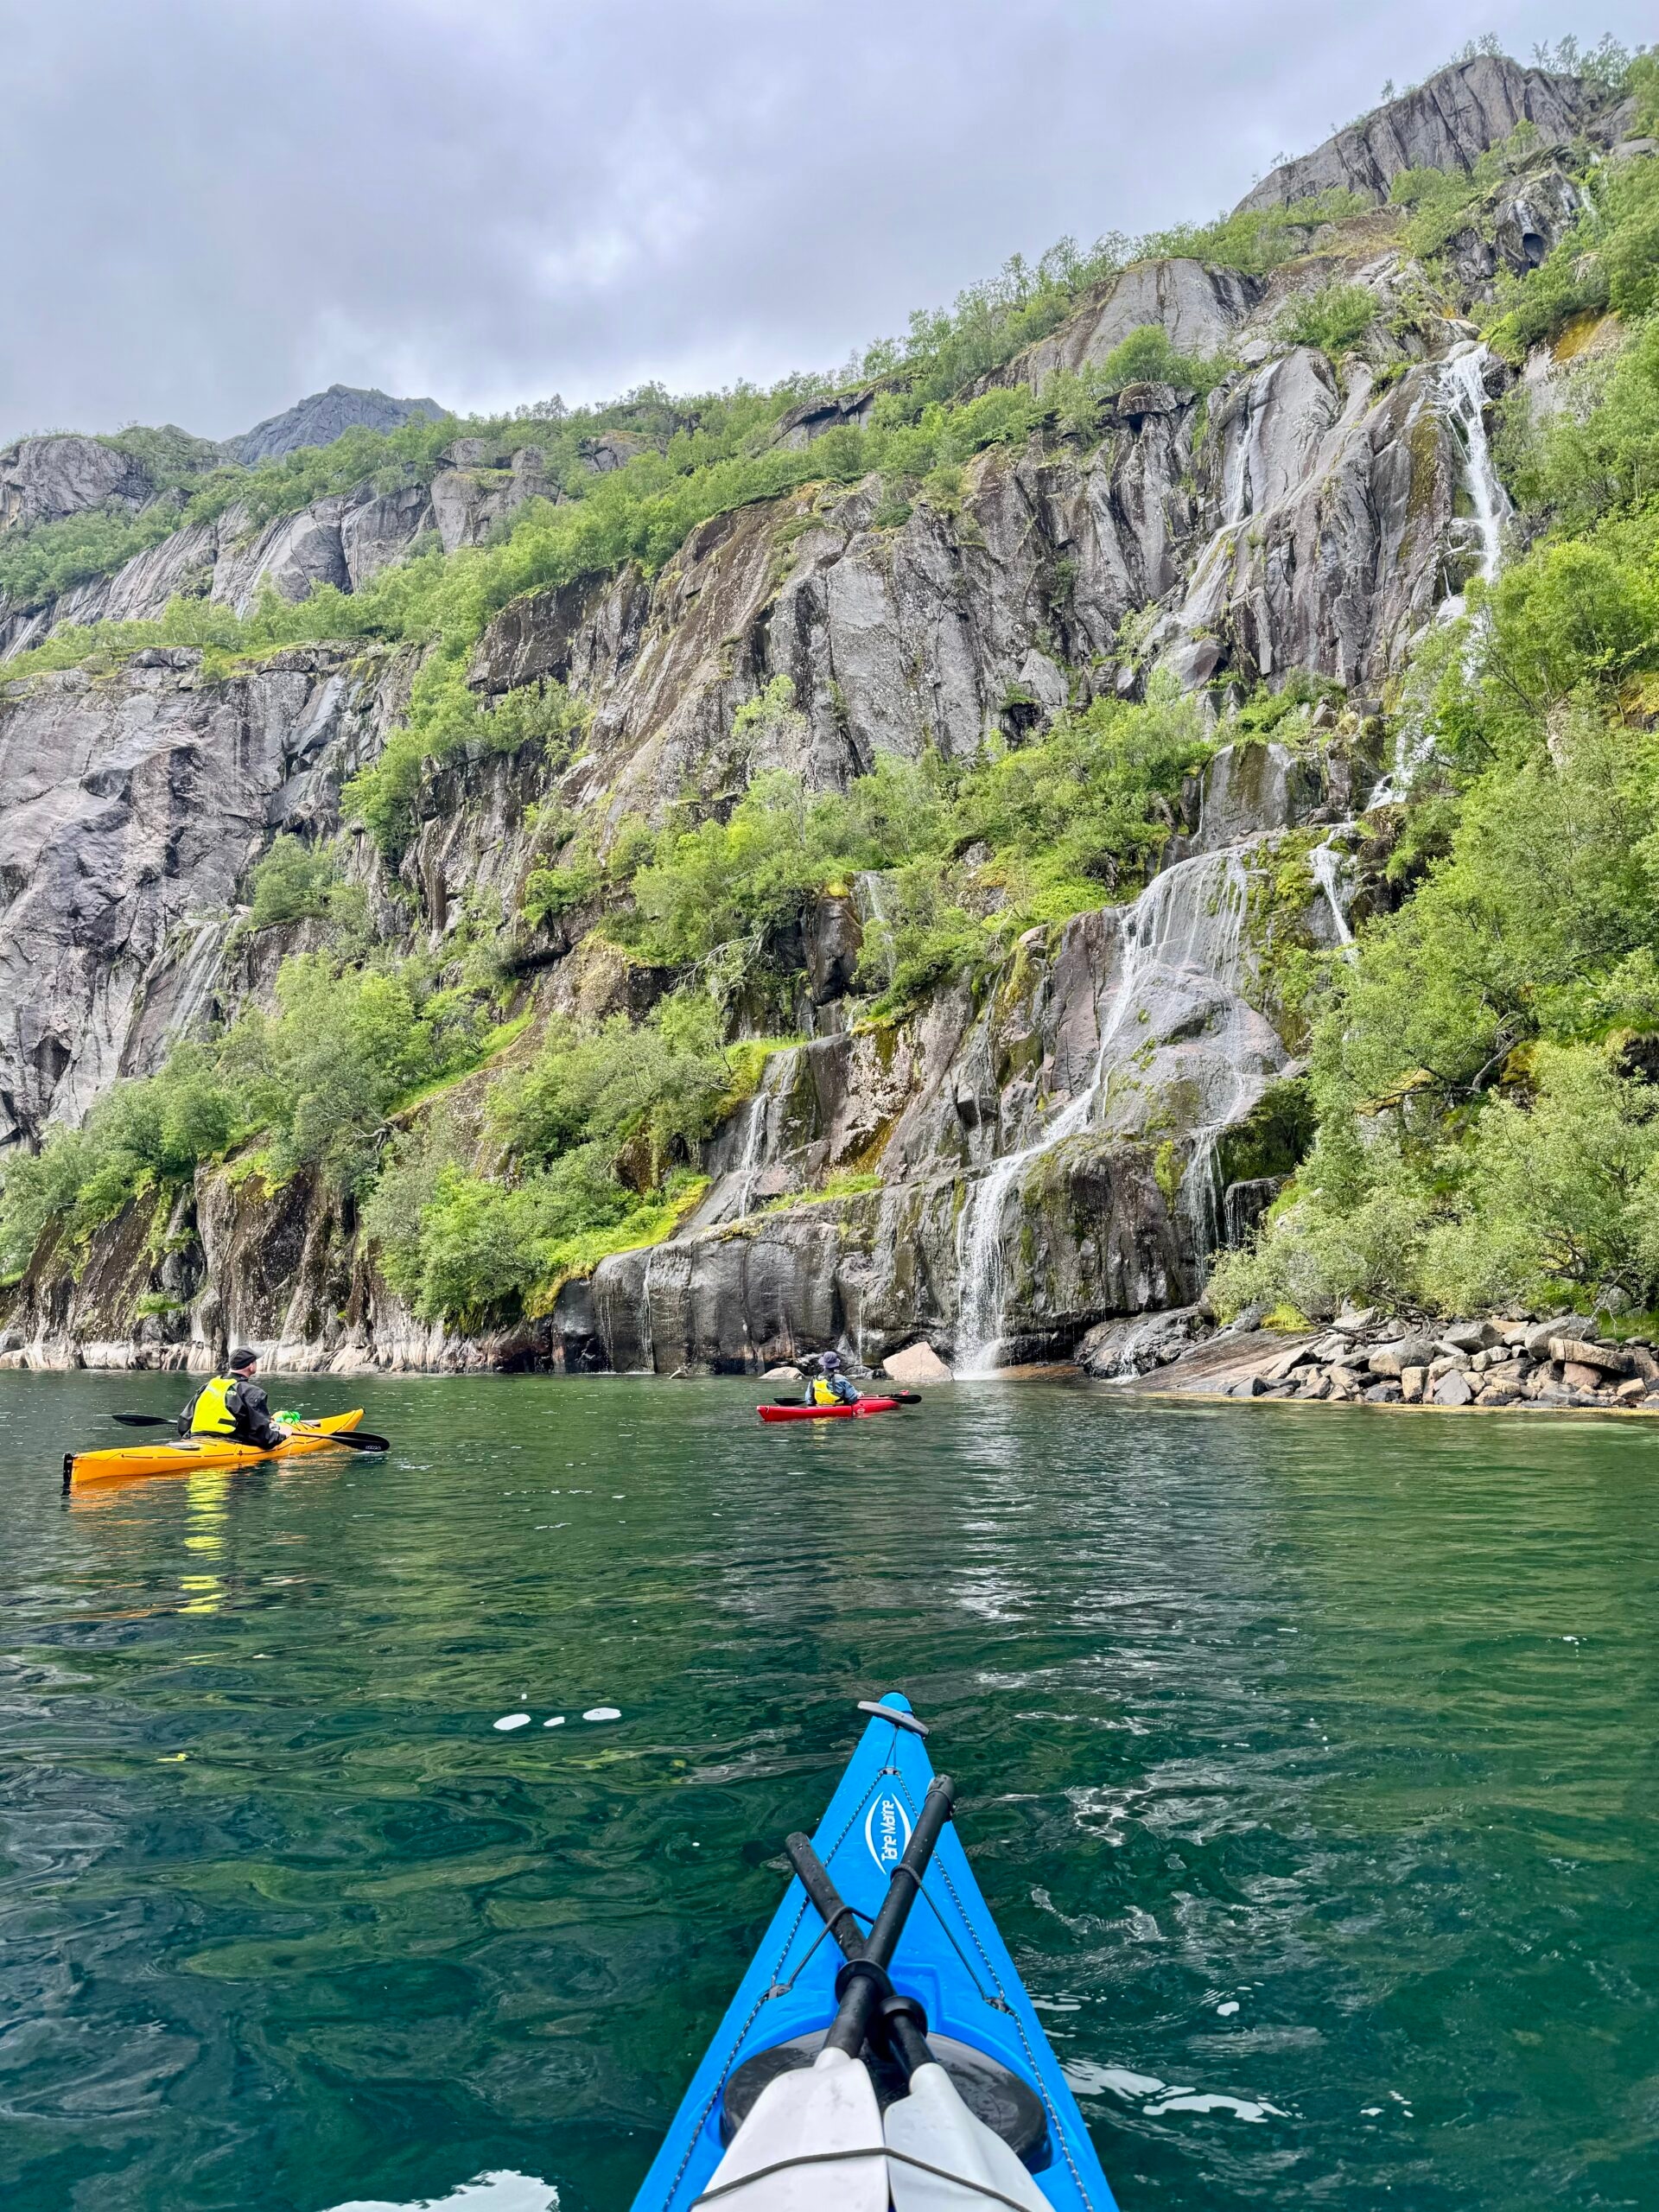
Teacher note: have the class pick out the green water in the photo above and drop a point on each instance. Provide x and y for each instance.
(1340, 1720)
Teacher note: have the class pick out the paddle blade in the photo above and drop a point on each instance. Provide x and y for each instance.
(355, 1439)
(828, 2113)
(145, 1420)
(934, 2127)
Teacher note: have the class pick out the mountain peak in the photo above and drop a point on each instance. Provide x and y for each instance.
(323, 415)
(1445, 123)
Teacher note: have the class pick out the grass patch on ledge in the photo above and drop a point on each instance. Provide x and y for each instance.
(576, 1257)
(847, 1183)
(492, 1047)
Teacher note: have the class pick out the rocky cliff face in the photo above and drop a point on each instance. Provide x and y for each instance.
(1070, 1146)
(46, 479)
(1445, 124)
(134, 804)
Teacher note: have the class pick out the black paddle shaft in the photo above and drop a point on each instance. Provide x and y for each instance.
(863, 1981)
(355, 1439)
(903, 2024)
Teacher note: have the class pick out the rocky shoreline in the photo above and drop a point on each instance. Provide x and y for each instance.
(1519, 1362)
(1494, 1363)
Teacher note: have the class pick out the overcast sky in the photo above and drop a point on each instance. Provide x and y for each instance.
(216, 206)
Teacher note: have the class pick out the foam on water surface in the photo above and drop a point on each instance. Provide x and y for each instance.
(503, 2192)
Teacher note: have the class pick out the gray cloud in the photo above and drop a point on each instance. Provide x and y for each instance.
(218, 204)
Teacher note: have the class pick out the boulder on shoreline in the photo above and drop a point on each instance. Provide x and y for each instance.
(1558, 1360)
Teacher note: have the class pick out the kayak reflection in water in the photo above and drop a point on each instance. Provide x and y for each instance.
(233, 1405)
(826, 1384)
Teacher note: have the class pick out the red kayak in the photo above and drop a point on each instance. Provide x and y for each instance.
(830, 1413)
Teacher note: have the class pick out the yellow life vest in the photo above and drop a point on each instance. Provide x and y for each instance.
(822, 1394)
(213, 1417)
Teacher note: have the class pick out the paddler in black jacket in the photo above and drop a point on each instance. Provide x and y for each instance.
(829, 1386)
(233, 1405)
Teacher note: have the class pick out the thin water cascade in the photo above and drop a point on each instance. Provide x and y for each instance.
(754, 1140)
(1190, 918)
(1325, 865)
(754, 1133)
(1465, 374)
(1462, 394)
(874, 885)
(645, 1337)
(1201, 1198)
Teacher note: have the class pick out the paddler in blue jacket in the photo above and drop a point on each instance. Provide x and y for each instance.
(829, 1386)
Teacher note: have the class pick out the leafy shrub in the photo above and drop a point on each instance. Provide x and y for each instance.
(1598, 454)
(318, 1079)
(1561, 1188)
(1071, 818)
(1608, 64)
(486, 1249)
(139, 1136)
(1086, 809)
(922, 936)
(1442, 202)
(1328, 1242)
(1334, 319)
(751, 880)
(1552, 879)
(345, 1046)
(1077, 399)
(292, 883)
(1630, 255)
(771, 729)
(1550, 1193)
(480, 1245)
(587, 1132)
(1577, 611)
(654, 1088)
(945, 349)
(445, 714)
(578, 879)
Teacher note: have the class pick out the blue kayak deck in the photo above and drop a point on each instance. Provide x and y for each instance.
(951, 1956)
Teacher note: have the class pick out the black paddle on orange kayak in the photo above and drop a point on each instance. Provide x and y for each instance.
(355, 1439)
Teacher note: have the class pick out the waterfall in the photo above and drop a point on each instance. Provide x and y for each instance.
(1463, 399)
(751, 1142)
(1465, 372)
(646, 1338)
(1324, 864)
(1190, 918)
(872, 884)
(755, 1141)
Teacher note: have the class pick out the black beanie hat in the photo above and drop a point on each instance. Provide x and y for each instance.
(243, 1358)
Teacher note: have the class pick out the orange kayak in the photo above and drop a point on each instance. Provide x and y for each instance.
(185, 1454)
